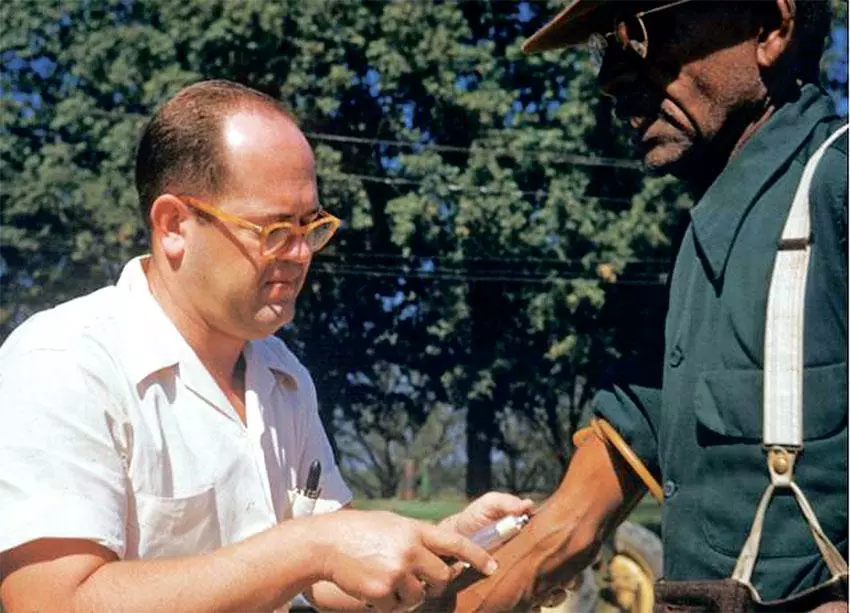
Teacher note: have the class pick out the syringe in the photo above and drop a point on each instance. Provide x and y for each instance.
(490, 537)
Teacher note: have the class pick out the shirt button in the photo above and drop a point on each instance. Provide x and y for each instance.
(670, 488)
(676, 356)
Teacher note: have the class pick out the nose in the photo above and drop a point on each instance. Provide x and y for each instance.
(296, 251)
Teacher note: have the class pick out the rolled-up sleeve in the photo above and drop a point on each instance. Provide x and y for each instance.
(633, 412)
(61, 475)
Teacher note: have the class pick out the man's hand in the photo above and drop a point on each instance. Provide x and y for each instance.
(390, 562)
(480, 513)
(483, 511)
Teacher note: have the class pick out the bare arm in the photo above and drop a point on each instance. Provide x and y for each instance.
(562, 538)
(79, 575)
(374, 556)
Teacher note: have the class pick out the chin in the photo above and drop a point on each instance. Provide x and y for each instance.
(664, 160)
(657, 168)
(273, 317)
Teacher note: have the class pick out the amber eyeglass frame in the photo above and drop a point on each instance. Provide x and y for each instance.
(295, 231)
(598, 43)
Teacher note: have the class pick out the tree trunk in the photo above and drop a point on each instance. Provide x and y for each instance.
(479, 442)
(484, 301)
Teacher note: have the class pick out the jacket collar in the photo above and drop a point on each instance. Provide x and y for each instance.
(719, 213)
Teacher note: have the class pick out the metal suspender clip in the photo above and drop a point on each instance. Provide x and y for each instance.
(791, 244)
(780, 463)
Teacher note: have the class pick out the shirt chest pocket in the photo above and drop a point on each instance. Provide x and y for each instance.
(177, 526)
(728, 407)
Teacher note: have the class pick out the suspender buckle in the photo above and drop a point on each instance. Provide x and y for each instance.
(794, 243)
(780, 463)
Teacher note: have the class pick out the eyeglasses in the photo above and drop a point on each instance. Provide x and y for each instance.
(278, 236)
(629, 33)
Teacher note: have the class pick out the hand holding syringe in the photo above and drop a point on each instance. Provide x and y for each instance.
(497, 533)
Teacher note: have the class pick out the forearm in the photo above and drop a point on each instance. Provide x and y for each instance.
(595, 495)
(562, 538)
(566, 533)
(258, 574)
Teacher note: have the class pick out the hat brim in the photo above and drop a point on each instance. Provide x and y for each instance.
(569, 28)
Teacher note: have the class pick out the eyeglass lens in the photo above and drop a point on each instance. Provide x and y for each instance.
(282, 238)
(632, 34)
(629, 33)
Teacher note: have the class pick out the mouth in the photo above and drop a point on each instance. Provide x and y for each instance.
(289, 276)
(283, 285)
(283, 282)
(281, 291)
(643, 114)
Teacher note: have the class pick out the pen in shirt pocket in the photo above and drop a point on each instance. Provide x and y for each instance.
(305, 499)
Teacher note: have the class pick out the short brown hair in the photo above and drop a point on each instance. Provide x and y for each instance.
(181, 145)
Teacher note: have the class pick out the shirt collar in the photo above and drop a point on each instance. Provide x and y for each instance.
(155, 342)
(273, 365)
(158, 345)
(718, 215)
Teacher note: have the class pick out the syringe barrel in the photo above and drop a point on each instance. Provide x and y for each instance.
(495, 534)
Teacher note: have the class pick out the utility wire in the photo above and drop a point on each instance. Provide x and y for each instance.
(453, 187)
(578, 160)
(464, 277)
(474, 258)
(413, 259)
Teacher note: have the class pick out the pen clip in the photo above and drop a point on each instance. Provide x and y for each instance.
(314, 475)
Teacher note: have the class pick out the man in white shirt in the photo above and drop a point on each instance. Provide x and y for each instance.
(154, 432)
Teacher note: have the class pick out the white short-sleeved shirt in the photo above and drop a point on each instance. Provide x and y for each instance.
(112, 430)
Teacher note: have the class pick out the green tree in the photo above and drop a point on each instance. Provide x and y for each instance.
(496, 234)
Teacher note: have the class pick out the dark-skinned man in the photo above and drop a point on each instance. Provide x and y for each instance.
(748, 430)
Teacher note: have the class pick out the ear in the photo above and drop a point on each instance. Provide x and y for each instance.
(773, 43)
(168, 225)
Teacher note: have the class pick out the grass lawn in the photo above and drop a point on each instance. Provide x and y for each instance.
(647, 513)
(427, 510)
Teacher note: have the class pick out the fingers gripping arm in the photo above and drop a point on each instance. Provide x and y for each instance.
(598, 491)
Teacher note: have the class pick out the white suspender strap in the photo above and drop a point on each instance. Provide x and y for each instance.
(783, 335)
(783, 376)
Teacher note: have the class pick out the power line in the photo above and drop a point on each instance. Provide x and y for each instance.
(569, 158)
(474, 258)
(536, 270)
(382, 274)
(464, 277)
(540, 193)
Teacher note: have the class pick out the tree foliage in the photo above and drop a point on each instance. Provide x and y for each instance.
(496, 235)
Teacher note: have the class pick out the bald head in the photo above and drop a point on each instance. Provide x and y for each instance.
(183, 147)
(261, 152)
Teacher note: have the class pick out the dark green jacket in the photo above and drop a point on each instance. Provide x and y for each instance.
(701, 432)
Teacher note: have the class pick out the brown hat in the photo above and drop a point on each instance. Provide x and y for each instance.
(570, 27)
